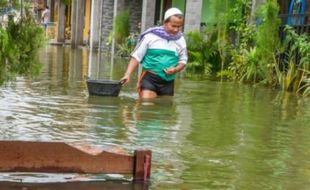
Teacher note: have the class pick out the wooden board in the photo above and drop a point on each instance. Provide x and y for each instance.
(58, 157)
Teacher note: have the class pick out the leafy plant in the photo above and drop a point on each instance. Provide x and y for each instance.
(20, 42)
(244, 55)
(127, 47)
(221, 22)
(251, 71)
(305, 87)
(240, 43)
(287, 78)
(201, 51)
(4, 42)
(293, 68)
(267, 38)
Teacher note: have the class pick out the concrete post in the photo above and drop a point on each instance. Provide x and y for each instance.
(61, 21)
(106, 22)
(116, 6)
(73, 23)
(77, 23)
(135, 11)
(80, 20)
(95, 20)
(148, 14)
(192, 15)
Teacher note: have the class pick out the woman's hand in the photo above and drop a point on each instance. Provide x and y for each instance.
(125, 79)
(174, 70)
(170, 70)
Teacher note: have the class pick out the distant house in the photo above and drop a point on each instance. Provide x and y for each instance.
(90, 21)
(296, 14)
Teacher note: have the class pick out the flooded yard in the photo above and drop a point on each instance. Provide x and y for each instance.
(211, 135)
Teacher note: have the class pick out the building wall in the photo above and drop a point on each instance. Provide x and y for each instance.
(148, 14)
(284, 10)
(106, 21)
(135, 11)
(193, 15)
(284, 6)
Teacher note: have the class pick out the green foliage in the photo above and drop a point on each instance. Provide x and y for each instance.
(305, 87)
(128, 46)
(287, 77)
(67, 2)
(222, 11)
(293, 70)
(12, 3)
(121, 27)
(236, 40)
(244, 65)
(4, 42)
(20, 42)
(267, 38)
(201, 51)
(244, 59)
(244, 31)
(221, 22)
(298, 44)
(3, 3)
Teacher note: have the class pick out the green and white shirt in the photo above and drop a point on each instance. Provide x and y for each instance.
(156, 54)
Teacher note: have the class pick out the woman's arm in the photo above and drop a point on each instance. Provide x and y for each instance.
(133, 63)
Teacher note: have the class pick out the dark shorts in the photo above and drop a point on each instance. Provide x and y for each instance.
(153, 82)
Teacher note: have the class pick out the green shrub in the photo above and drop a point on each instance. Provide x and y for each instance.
(20, 43)
(201, 51)
(293, 69)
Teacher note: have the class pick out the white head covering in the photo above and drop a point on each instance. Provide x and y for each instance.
(172, 11)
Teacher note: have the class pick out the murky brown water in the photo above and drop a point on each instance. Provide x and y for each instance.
(211, 135)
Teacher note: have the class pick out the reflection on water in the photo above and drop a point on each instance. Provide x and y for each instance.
(211, 135)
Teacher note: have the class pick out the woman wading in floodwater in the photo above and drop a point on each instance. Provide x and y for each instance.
(162, 53)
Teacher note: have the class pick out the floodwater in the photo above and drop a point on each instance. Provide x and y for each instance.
(211, 135)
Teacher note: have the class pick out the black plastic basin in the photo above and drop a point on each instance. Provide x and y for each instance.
(104, 87)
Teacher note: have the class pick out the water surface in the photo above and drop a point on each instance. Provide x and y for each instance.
(211, 135)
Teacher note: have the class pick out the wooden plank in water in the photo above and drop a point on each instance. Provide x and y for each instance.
(58, 157)
(142, 167)
(106, 185)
